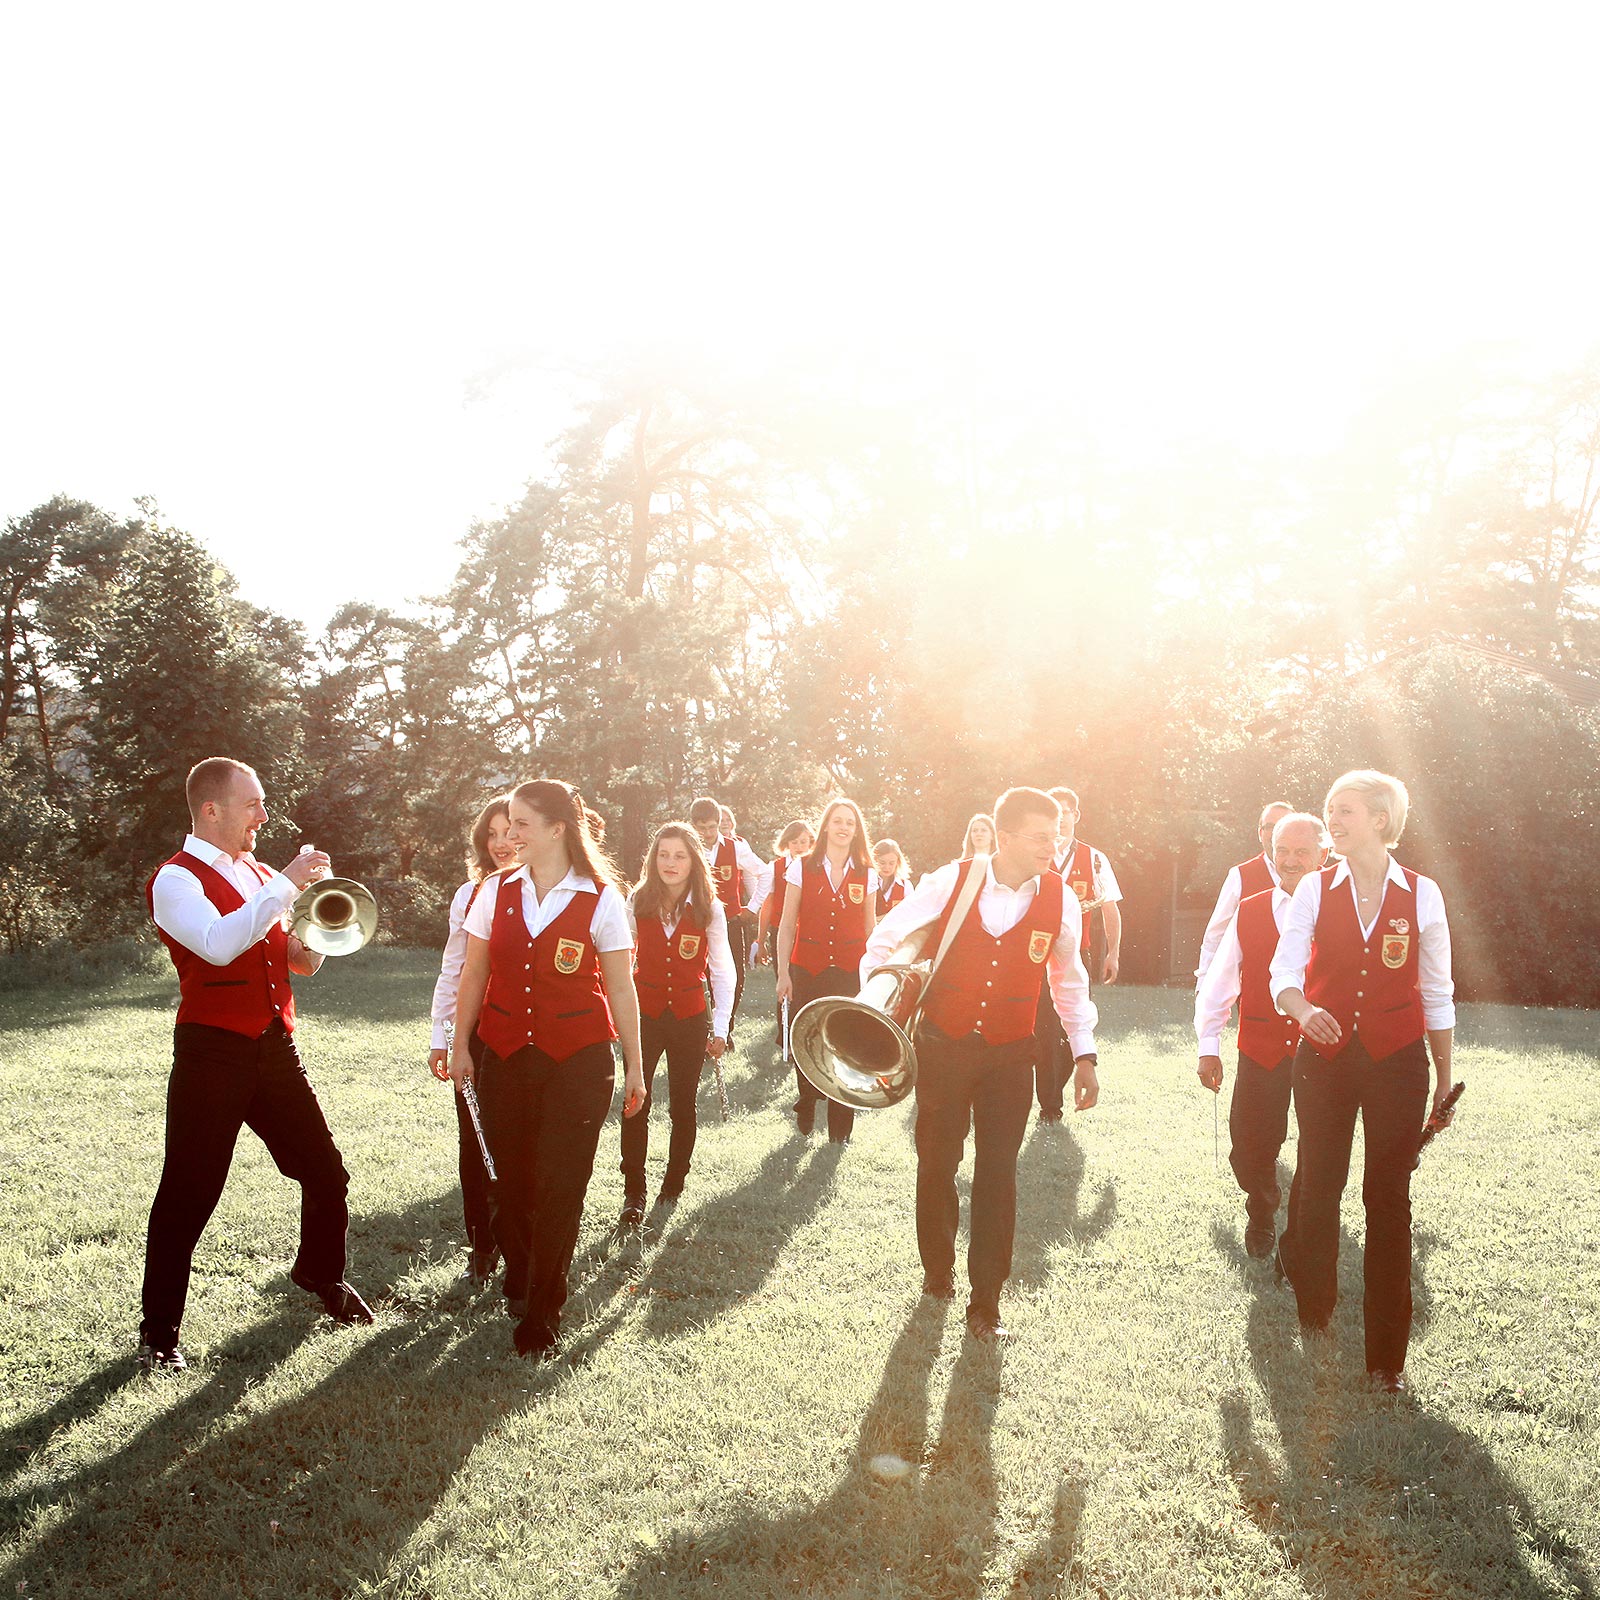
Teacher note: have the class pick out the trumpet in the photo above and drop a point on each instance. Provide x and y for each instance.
(334, 917)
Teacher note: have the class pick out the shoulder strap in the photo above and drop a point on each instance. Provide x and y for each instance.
(976, 873)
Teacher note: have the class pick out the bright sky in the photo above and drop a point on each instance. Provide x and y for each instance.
(258, 261)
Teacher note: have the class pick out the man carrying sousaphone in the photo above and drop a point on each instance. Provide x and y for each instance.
(975, 1038)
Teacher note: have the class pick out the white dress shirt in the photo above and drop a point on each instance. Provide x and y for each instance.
(608, 927)
(999, 909)
(1228, 899)
(1103, 885)
(719, 961)
(183, 913)
(750, 867)
(793, 874)
(1220, 986)
(451, 963)
(1432, 930)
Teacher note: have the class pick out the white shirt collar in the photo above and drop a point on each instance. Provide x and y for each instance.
(574, 880)
(213, 855)
(992, 882)
(1394, 875)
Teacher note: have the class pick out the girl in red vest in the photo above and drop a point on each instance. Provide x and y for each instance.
(894, 873)
(795, 841)
(549, 966)
(829, 908)
(979, 837)
(1363, 965)
(489, 850)
(680, 935)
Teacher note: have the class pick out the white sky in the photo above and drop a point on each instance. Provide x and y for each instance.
(254, 260)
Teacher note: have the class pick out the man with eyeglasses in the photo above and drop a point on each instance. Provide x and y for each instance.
(975, 1040)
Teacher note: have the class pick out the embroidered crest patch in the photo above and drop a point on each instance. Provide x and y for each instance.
(1081, 889)
(1039, 945)
(688, 945)
(1396, 946)
(857, 892)
(725, 873)
(569, 953)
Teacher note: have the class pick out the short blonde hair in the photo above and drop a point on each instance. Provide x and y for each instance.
(1379, 792)
(1323, 840)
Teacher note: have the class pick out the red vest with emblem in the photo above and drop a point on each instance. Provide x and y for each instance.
(1264, 1036)
(1255, 877)
(990, 986)
(830, 929)
(670, 973)
(725, 875)
(891, 896)
(1369, 984)
(249, 994)
(1078, 871)
(544, 991)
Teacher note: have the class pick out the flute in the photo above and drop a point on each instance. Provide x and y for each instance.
(470, 1096)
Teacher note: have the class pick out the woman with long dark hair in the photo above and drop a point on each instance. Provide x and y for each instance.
(680, 936)
(1363, 965)
(489, 850)
(548, 983)
(829, 908)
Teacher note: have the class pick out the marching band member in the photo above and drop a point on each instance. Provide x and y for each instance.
(894, 873)
(1258, 1117)
(549, 965)
(1088, 874)
(795, 841)
(1363, 965)
(489, 850)
(220, 913)
(680, 935)
(979, 836)
(975, 1044)
(829, 908)
(1254, 876)
(735, 874)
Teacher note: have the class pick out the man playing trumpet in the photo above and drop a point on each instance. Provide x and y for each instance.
(975, 1040)
(220, 914)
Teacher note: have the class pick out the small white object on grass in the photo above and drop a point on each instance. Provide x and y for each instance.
(890, 1468)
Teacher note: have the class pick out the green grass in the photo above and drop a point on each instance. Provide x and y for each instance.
(1153, 1428)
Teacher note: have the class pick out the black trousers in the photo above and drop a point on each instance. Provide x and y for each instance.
(810, 986)
(1052, 1061)
(739, 944)
(683, 1041)
(542, 1119)
(475, 1203)
(1391, 1097)
(222, 1082)
(961, 1084)
(1258, 1123)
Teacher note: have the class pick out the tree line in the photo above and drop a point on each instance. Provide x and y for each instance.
(707, 590)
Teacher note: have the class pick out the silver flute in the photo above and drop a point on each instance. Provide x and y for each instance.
(470, 1095)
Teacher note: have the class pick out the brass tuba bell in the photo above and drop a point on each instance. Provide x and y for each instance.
(334, 917)
(859, 1052)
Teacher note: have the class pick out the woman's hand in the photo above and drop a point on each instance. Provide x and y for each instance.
(632, 1091)
(439, 1064)
(461, 1067)
(715, 1047)
(785, 987)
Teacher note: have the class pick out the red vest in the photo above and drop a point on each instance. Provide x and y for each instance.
(1255, 876)
(725, 875)
(249, 994)
(1264, 1036)
(1078, 870)
(830, 929)
(671, 973)
(545, 991)
(890, 897)
(990, 986)
(1369, 984)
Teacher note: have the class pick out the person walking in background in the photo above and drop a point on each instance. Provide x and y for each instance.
(489, 850)
(1254, 876)
(736, 875)
(894, 873)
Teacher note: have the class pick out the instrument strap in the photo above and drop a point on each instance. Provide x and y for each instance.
(977, 876)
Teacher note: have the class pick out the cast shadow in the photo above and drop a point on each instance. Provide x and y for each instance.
(1400, 1471)
(1050, 1171)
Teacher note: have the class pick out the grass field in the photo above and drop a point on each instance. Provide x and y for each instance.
(1152, 1429)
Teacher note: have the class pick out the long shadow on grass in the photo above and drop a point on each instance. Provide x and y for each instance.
(1376, 1496)
(216, 1488)
(1050, 1172)
(931, 1533)
(731, 1242)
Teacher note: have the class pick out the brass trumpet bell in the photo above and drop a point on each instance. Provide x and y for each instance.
(334, 917)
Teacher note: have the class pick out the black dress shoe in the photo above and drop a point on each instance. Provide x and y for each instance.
(535, 1339)
(939, 1285)
(1260, 1242)
(339, 1300)
(1386, 1382)
(632, 1214)
(985, 1327)
(170, 1359)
